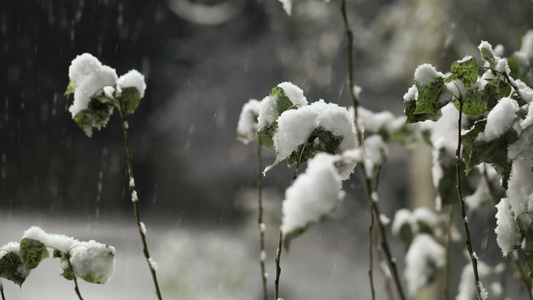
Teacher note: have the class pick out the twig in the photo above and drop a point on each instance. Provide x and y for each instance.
(523, 277)
(278, 265)
(135, 201)
(368, 181)
(260, 221)
(473, 258)
(446, 284)
(76, 286)
(371, 254)
(2, 290)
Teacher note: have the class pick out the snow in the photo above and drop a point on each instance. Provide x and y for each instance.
(88, 76)
(313, 194)
(132, 182)
(132, 79)
(426, 74)
(527, 44)
(134, 197)
(444, 131)
(294, 93)
(467, 286)
(376, 121)
(247, 125)
(59, 242)
(143, 227)
(508, 236)
(423, 256)
(93, 261)
(296, 125)
(521, 149)
(482, 194)
(9, 247)
(525, 92)
(499, 120)
(411, 95)
(153, 264)
(287, 6)
(268, 110)
(486, 45)
(401, 217)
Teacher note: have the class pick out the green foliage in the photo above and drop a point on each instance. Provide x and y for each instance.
(464, 70)
(428, 97)
(320, 140)
(493, 152)
(12, 268)
(96, 115)
(473, 103)
(32, 252)
(284, 103)
(265, 135)
(412, 117)
(129, 100)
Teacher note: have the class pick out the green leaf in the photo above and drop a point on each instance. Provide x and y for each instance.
(96, 115)
(428, 97)
(65, 265)
(320, 140)
(70, 88)
(473, 103)
(32, 252)
(493, 152)
(466, 71)
(410, 107)
(129, 100)
(11, 268)
(265, 135)
(284, 103)
(406, 235)
(520, 69)
(486, 54)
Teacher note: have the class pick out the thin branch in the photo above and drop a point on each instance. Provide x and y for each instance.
(523, 277)
(135, 201)
(371, 254)
(2, 290)
(368, 181)
(473, 257)
(260, 221)
(446, 284)
(76, 286)
(278, 265)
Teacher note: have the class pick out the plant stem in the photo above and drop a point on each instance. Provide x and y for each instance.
(260, 221)
(473, 258)
(2, 290)
(523, 277)
(448, 255)
(75, 278)
(368, 184)
(133, 194)
(371, 254)
(278, 266)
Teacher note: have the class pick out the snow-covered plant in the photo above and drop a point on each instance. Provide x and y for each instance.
(479, 119)
(92, 261)
(97, 92)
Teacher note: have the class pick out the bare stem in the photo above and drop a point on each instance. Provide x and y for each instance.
(367, 177)
(278, 266)
(260, 221)
(75, 278)
(371, 253)
(2, 290)
(473, 258)
(523, 277)
(448, 256)
(133, 194)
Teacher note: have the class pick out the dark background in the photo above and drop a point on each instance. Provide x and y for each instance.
(186, 160)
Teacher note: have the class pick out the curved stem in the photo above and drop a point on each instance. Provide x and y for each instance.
(2, 290)
(473, 257)
(446, 284)
(260, 222)
(75, 278)
(135, 202)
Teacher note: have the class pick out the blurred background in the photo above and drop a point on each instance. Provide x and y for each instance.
(202, 60)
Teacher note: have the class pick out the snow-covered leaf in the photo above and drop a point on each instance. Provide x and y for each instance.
(520, 68)
(247, 124)
(96, 115)
(11, 268)
(129, 100)
(473, 103)
(312, 197)
(32, 252)
(92, 261)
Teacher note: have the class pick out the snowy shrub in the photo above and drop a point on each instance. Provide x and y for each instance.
(92, 261)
